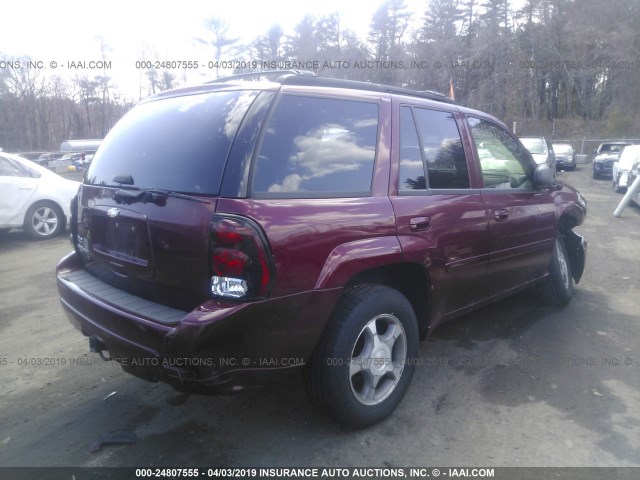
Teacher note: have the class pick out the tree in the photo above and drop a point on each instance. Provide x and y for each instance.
(27, 85)
(217, 36)
(468, 15)
(496, 15)
(329, 36)
(303, 44)
(104, 82)
(441, 21)
(270, 45)
(388, 26)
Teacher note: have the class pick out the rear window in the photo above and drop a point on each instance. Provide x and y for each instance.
(179, 144)
(317, 147)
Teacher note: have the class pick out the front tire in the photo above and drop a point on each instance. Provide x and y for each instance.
(557, 288)
(619, 188)
(43, 220)
(363, 364)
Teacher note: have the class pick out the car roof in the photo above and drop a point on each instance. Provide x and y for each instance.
(274, 80)
(307, 81)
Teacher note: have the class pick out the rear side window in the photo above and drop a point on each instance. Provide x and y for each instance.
(178, 144)
(442, 149)
(9, 168)
(317, 147)
(411, 164)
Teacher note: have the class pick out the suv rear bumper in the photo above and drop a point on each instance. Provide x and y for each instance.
(565, 162)
(219, 347)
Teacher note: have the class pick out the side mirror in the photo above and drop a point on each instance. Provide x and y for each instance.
(543, 177)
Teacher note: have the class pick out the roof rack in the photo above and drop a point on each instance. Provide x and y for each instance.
(307, 78)
(353, 84)
(271, 75)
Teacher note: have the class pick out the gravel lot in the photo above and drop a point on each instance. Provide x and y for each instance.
(514, 384)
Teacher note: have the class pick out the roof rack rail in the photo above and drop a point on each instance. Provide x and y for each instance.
(311, 79)
(273, 75)
(371, 87)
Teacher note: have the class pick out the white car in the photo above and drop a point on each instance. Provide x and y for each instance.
(629, 157)
(33, 198)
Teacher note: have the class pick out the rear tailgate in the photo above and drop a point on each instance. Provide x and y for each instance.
(158, 251)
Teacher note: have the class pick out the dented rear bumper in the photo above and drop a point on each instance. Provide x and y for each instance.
(219, 347)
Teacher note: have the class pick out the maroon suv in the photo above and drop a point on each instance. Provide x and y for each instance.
(231, 232)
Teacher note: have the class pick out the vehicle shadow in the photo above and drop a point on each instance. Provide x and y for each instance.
(18, 240)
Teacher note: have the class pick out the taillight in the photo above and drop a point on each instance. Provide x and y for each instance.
(241, 265)
(73, 225)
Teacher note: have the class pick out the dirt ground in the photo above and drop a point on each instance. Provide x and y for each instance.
(514, 384)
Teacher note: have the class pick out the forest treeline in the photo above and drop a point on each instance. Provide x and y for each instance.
(562, 68)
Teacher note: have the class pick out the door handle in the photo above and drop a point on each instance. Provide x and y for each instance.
(501, 215)
(418, 224)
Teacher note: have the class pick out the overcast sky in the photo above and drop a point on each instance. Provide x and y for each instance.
(66, 30)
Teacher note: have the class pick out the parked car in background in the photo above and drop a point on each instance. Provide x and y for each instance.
(33, 156)
(565, 156)
(541, 149)
(80, 160)
(633, 175)
(47, 159)
(229, 233)
(33, 198)
(629, 157)
(605, 156)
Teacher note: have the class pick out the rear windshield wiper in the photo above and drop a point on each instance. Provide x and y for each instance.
(171, 193)
(132, 194)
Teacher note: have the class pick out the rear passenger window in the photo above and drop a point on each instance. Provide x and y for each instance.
(314, 146)
(9, 168)
(442, 149)
(437, 145)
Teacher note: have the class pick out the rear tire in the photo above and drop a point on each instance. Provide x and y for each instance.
(557, 288)
(363, 364)
(43, 220)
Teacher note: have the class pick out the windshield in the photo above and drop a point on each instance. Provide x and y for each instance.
(535, 146)
(563, 149)
(179, 144)
(611, 147)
